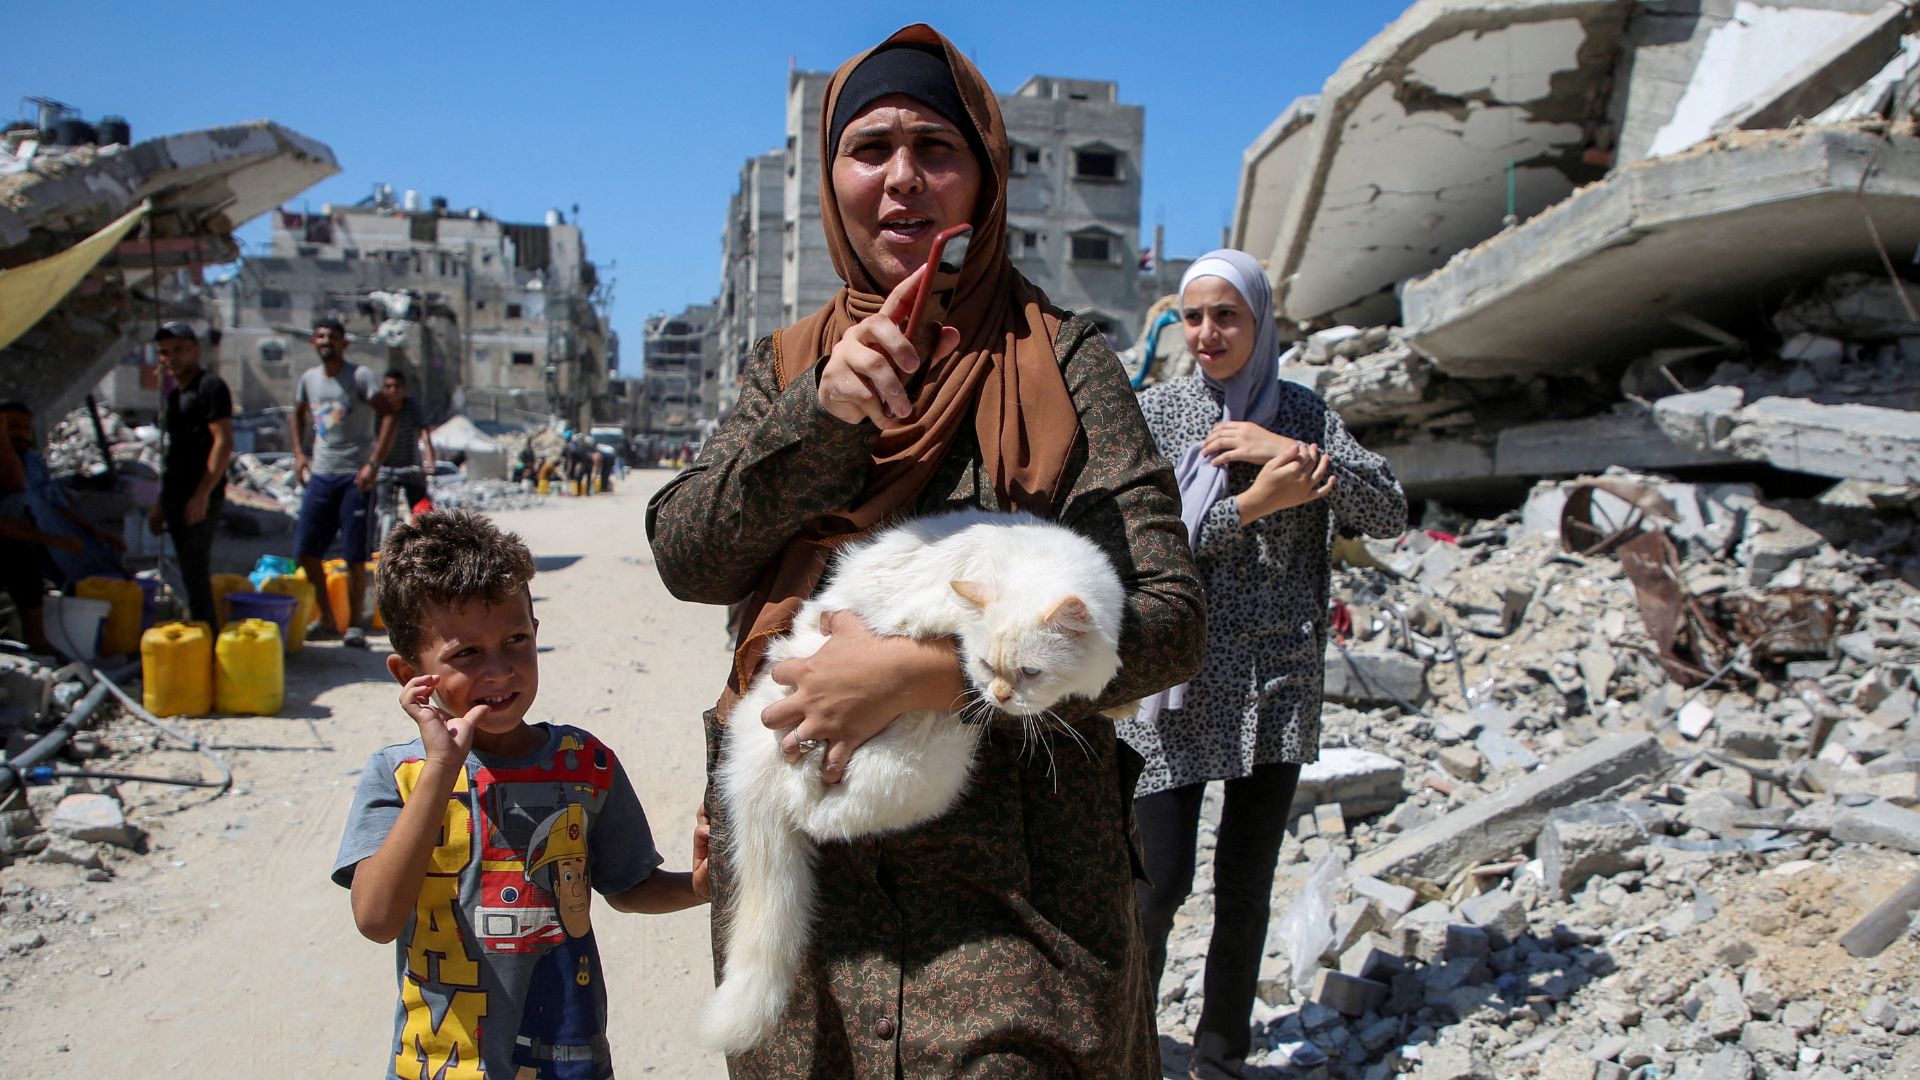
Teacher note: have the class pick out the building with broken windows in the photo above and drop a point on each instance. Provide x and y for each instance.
(1544, 237)
(679, 380)
(503, 320)
(1073, 217)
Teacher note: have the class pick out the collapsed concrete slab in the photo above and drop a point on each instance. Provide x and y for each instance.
(1269, 175)
(1457, 114)
(1508, 820)
(202, 186)
(1859, 442)
(1520, 454)
(1861, 47)
(1700, 235)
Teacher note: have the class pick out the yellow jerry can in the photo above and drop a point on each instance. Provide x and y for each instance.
(176, 670)
(373, 591)
(121, 634)
(298, 586)
(249, 663)
(337, 596)
(224, 584)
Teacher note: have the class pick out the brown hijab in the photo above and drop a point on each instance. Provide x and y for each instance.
(1004, 376)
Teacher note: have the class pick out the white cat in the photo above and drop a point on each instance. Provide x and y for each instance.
(1036, 609)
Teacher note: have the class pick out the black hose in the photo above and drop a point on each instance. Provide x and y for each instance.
(11, 771)
(47, 773)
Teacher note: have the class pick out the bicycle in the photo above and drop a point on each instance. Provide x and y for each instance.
(393, 488)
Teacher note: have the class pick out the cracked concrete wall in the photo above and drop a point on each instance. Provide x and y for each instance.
(1269, 173)
(1686, 59)
(1409, 161)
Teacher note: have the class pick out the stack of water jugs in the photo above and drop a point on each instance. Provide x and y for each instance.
(188, 670)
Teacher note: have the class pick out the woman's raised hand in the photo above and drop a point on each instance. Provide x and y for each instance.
(1244, 440)
(863, 378)
(1294, 477)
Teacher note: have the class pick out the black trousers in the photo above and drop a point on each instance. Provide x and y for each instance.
(193, 545)
(1253, 821)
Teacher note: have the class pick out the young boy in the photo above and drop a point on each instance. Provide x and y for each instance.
(473, 845)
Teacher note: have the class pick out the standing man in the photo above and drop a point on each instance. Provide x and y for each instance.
(340, 401)
(410, 457)
(193, 476)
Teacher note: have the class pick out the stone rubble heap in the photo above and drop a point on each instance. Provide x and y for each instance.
(1612, 788)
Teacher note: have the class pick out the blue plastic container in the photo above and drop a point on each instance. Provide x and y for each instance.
(273, 607)
(270, 567)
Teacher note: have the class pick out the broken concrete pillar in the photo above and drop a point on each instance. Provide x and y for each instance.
(1879, 823)
(1862, 442)
(1361, 781)
(1595, 840)
(1373, 677)
(1509, 819)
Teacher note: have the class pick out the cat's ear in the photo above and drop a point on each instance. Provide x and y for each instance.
(975, 594)
(1069, 616)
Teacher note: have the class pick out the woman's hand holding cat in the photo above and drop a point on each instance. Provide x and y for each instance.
(862, 378)
(857, 684)
(1293, 478)
(1243, 440)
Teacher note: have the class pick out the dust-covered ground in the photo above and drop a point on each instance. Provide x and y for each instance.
(225, 951)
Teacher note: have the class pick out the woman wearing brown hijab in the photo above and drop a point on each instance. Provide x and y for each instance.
(1001, 939)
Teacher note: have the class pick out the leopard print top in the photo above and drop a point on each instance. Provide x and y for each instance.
(1257, 697)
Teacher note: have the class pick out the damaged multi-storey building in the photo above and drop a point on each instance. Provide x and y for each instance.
(505, 321)
(96, 234)
(1545, 237)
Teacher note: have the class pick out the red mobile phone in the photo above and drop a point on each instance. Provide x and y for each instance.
(949, 251)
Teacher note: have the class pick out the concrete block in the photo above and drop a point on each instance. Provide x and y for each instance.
(1500, 914)
(1461, 762)
(1351, 922)
(1372, 957)
(1595, 840)
(1393, 900)
(1879, 823)
(1694, 719)
(1350, 995)
(1503, 751)
(1328, 819)
(1361, 781)
(1372, 676)
(95, 819)
(1509, 819)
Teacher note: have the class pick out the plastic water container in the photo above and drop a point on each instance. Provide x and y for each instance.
(373, 592)
(337, 596)
(74, 625)
(249, 675)
(223, 585)
(150, 590)
(298, 587)
(270, 567)
(176, 670)
(122, 632)
(276, 608)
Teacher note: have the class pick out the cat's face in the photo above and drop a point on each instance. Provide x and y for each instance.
(1024, 663)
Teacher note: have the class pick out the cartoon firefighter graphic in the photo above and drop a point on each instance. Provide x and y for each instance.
(563, 1020)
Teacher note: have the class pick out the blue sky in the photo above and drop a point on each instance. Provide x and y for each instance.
(643, 113)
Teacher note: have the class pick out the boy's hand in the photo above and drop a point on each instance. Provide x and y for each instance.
(446, 737)
(702, 838)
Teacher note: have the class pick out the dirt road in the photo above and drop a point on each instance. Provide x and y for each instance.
(226, 951)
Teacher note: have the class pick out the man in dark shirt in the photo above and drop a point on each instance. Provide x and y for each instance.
(409, 459)
(193, 477)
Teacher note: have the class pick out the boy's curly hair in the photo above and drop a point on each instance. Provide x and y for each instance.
(445, 558)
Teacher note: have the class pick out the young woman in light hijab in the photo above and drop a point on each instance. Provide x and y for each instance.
(1002, 939)
(1267, 474)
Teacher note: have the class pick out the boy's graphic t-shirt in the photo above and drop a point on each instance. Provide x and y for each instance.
(498, 969)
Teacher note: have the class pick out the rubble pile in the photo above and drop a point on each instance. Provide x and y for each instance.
(488, 496)
(1625, 783)
(73, 447)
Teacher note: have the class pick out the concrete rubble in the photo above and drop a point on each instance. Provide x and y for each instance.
(1617, 828)
(1537, 239)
